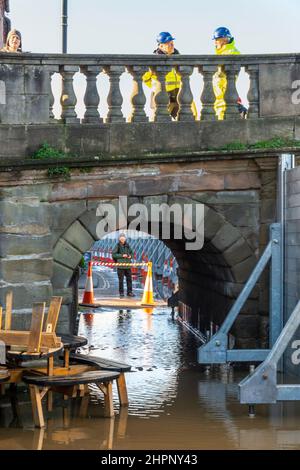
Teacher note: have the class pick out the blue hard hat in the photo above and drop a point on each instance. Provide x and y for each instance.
(164, 37)
(222, 32)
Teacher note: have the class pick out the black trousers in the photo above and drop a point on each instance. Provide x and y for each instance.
(127, 274)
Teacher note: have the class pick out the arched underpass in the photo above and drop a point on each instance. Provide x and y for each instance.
(209, 279)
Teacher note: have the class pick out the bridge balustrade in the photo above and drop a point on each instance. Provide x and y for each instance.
(27, 95)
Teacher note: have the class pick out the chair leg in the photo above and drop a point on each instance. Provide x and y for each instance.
(38, 438)
(50, 401)
(84, 405)
(50, 371)
(122, 390)
(106, 389)
(109, 426)
(37, 408)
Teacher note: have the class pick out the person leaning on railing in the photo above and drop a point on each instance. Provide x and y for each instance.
(173, 79)
(13, 42)
(225, 45)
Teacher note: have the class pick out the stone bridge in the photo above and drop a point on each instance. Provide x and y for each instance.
(48, 206)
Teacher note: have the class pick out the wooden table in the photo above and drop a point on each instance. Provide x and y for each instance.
(70, 343)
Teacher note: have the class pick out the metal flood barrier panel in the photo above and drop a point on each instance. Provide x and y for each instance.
(265, 384)
(292, 266)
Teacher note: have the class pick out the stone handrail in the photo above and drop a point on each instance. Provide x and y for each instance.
(26, 95)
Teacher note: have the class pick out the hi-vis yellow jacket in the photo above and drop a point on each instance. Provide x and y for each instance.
(220, 80)
(173, 80)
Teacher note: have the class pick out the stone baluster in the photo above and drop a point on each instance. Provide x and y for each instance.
(185, 96)
(68, 98)
(114, 99)
(161, 97)
(138, 98)
(52, 70)
(231, 95)
(253, 94)
(91, 97)
(208, 97)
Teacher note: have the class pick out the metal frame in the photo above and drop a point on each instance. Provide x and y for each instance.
(261, 386)
(217, 351)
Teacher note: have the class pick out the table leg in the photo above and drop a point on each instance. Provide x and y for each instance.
(2, 389)
(122, 426)
(67, 358)
(106, 389)
(109, 430)
(122, 390)
(37, 408)
(38, 438)
(50, 371)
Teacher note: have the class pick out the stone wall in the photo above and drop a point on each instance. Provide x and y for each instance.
(47, 224)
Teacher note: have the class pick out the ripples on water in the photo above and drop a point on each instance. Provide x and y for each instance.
(174, 404)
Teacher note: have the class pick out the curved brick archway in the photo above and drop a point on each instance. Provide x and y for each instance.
(210, 279)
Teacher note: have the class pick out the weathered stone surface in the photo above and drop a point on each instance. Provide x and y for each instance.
(276, 89)
(79, 237)
(66, 294)
(26, 270)
(247, 343)
(244, 180)
(71, 191)
(243, 270)
(24, 295)
(250, 234)
(64, 321)
(27, 192)
(62, 218)
(225, 237)
(237, 252)
(61, 276)
(294, 176)
(268, 210)
(240, 215)
(19, 212)
(24, 244)
(21, 321)
(37, 135)
(246, 326)
(65, 254)
(212, 223)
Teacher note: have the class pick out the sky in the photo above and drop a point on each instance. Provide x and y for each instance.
(131, 26)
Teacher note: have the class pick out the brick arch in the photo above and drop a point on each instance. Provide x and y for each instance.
(218, 271)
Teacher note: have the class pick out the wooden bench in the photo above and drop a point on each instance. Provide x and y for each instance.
(39, 385)
(109, 365)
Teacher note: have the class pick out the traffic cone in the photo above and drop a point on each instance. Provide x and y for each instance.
(88, 318)
(88, 296)
(148, 289)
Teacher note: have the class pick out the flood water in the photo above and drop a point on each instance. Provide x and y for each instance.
(174, 403)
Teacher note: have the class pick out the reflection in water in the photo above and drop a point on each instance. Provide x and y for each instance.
(174, 404)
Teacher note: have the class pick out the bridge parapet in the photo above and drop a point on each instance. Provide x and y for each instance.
(26, 95)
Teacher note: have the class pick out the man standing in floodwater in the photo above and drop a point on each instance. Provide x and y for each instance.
(123, 254)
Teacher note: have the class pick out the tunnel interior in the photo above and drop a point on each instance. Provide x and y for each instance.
(210, 278)
(206, 285)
